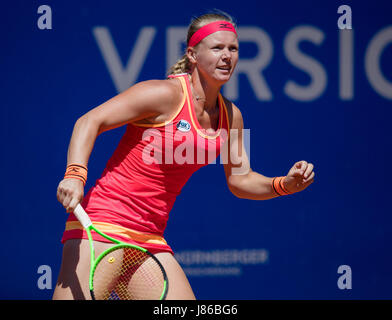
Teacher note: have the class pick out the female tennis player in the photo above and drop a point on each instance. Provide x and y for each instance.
(132, 199)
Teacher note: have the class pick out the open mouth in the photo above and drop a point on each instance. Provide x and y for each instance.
(225, 68)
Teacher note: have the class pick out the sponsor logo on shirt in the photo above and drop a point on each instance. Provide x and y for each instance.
(183, 126)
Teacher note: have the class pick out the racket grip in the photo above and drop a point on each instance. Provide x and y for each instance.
(82, 216)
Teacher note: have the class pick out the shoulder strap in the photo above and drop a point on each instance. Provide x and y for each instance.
(176, 75)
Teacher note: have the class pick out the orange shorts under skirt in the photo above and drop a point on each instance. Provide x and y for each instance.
(151, 242)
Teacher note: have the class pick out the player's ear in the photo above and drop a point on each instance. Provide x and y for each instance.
(191, 54)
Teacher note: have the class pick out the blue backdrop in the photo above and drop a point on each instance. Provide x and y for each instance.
(307, 91)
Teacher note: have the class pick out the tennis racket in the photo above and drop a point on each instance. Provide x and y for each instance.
(124, 271)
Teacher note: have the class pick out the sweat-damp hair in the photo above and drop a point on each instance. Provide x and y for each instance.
(183, 65)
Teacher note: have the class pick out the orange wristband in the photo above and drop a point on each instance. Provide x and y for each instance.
(277, 185)
(76, 171)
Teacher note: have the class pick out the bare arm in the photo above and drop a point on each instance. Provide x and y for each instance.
(144, 100)
(245, 183)
(242, 181)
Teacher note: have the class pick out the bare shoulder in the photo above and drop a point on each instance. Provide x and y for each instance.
(160, 92)
(234, 114)
(161, 97)
(164, 86)
(148, 101)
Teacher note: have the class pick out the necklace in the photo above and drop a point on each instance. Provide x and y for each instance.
(196, 96)
(199, 98)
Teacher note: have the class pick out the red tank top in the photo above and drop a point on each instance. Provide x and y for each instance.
(151, 165)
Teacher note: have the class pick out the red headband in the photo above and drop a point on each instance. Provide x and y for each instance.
(208, 29)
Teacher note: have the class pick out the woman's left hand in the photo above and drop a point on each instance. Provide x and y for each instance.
(300, 176)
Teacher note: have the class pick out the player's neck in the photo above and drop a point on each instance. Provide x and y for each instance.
(204, 92)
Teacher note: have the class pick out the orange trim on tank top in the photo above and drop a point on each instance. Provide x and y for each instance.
(222, 105)
(120, 231)
(196, 123)
(227, 118)
(179, 108)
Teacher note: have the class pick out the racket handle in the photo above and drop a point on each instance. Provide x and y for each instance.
(82, 216)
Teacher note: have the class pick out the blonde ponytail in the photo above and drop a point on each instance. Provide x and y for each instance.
(181, 66)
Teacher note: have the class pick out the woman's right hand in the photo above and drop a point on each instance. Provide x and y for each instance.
(70, 192)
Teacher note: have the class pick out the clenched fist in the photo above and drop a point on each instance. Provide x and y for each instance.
(300, 176)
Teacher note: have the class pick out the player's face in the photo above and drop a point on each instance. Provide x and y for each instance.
(217, 55)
